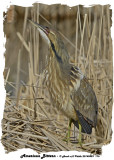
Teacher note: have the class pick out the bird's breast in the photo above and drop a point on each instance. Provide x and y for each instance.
(60, 91)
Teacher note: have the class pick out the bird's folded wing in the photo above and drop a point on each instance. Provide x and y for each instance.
(85, 102)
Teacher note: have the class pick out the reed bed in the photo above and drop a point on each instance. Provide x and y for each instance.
(30, 120)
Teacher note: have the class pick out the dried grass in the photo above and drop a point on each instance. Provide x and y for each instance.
(30, 121)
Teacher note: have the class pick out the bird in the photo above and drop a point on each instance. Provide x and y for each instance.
(69, 89)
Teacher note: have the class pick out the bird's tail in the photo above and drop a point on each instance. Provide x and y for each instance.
(86, 127)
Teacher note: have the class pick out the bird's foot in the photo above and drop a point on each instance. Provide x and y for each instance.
(66, 140)
(80, 143)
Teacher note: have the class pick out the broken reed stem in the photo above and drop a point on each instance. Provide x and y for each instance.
(18, 77)
(76, 55)
(25, 21)
(6, 80)
(82, 34)
(100, 29)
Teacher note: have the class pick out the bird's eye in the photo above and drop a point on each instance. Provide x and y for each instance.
(47, 30)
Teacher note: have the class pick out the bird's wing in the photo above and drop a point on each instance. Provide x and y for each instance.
(85, 102)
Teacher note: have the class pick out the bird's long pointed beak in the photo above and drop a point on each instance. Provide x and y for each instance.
(43, 28)
(44, 31)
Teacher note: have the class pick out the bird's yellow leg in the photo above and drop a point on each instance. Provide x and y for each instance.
(68, 134)
(80, 135)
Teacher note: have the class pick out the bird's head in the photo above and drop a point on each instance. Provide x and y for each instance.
(54, 41)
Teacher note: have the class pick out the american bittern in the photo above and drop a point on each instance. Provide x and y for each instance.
(69, 89)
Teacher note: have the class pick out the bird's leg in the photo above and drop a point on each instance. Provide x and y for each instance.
(69, 128)
(68, 134)
(80, 135)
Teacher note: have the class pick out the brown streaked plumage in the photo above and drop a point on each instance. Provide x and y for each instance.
(69, 89)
